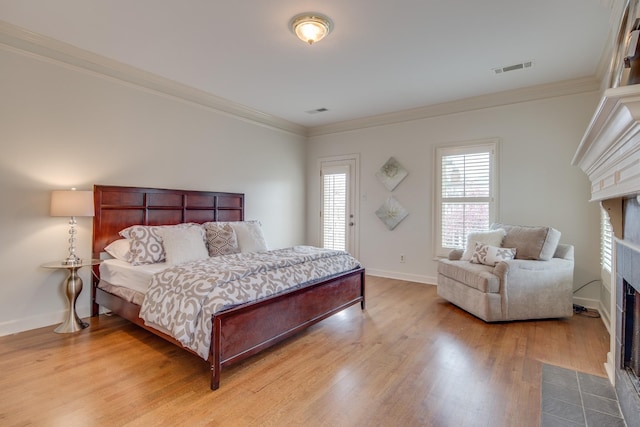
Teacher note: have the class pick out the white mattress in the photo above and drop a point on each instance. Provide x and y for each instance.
(134, 277)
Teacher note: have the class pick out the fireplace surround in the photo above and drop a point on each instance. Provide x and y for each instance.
(609, 154)
(627, 313)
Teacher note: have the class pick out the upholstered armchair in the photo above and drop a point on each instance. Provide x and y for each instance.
(510, 273)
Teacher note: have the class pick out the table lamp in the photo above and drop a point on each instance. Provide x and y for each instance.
(72, 203)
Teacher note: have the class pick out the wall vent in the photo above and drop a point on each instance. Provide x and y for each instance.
(317, 110)
(514, 67)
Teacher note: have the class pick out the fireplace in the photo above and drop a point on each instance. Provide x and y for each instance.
(631, 333)
(609, 154)
(627, 348)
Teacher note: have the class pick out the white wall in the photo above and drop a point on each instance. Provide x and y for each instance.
(62, 127)
(538, 185)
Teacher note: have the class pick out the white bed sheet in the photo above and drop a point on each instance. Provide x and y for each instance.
(134, 277)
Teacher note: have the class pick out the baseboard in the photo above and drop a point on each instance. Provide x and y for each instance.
(402, 276)
(593, 304)
(604, 315)
(40, 321)
(29, 323)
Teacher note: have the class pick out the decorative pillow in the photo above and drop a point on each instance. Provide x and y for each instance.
(146, 242)
(538, 243)
(183, 244)
(221, 239)
(119, 249)
(250, 237)
(491, 237)
(491, 255)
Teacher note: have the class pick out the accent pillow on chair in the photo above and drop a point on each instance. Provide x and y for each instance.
(531, 242)
(491, 255)
(491, 237)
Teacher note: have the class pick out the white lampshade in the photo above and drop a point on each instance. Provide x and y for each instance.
(72, 203)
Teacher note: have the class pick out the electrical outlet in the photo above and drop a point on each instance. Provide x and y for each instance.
(401, 258)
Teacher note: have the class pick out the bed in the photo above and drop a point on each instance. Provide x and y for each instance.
(239, 331)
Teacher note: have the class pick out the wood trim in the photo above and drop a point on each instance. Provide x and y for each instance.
(119, 207)
(241, 332)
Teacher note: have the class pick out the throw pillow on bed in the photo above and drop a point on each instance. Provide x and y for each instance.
(146, 242)
(183, 244)
(250, 237)
(221, 239)
(119, 249)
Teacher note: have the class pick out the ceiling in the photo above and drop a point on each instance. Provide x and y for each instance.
(382, 56)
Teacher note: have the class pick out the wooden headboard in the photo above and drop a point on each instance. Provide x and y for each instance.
(117, 208)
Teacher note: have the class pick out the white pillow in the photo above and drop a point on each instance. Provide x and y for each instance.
(183, 244)
(491, 255)
(491, 237)
(119, 249)
(250, 237)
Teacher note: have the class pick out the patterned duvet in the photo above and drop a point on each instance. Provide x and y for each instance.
(182, 298)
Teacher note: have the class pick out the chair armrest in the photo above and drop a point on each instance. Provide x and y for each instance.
(564, 251)
(455, 254)
(531, 288)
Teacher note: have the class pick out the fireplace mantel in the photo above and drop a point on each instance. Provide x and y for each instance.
(609, 152)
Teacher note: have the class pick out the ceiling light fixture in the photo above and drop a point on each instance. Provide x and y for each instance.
(310, 27)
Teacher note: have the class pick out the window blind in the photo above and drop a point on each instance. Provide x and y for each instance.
(334, 211)
(466, 195)
(606, 241)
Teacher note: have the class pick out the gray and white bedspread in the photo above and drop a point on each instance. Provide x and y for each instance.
(181, 299)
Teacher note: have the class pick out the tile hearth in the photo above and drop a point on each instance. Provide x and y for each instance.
(571, 398)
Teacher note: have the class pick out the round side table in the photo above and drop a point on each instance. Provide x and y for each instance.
(73, 283)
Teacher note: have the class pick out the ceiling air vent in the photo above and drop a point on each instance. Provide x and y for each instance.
(317, 110)
(519, 66)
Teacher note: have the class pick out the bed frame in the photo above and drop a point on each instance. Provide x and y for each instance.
(241, 331)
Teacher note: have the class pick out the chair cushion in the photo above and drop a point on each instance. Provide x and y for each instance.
(537, 243)
(476, 276)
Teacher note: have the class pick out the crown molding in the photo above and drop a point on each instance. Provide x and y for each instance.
(25, 41)
(42, 46)
(563, 88)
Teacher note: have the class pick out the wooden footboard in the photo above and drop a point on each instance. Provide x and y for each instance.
(242, 331)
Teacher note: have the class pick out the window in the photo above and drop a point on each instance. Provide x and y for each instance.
(606, 241)
(334, 209)
(465, 193)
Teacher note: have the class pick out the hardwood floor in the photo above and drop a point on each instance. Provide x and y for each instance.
(409, 359)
